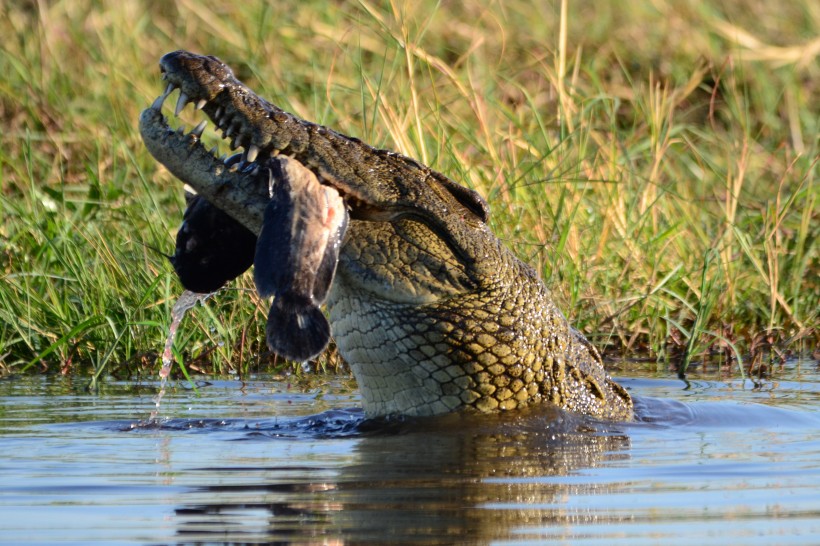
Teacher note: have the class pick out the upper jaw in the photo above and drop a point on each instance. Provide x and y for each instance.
(210, 75)
(210, 85)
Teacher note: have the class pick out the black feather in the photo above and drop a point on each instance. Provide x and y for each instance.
(211, 248)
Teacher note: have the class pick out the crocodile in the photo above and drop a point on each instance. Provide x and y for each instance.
(432, 312)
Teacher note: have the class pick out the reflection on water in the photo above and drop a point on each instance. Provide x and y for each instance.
(261, 462)
(444, 479)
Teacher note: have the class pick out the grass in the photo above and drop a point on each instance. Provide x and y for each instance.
(657, 163)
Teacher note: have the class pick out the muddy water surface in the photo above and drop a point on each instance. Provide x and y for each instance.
(716, 462)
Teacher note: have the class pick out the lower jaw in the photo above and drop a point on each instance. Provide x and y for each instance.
(242, 193)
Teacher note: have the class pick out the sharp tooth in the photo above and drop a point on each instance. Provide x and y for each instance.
(233, 168)
(201, 104)
(234, 159)
(214, 150)
(181, 130)
(228, 132)
(271, 183)
(253, 151)
(181, 102)
(218, 114)
(199, 128)
(157, 105)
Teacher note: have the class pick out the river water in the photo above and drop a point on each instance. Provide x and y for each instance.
(266, 461)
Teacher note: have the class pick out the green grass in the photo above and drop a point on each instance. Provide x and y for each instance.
(657, 163)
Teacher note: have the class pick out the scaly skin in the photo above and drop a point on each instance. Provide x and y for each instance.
(430, 310)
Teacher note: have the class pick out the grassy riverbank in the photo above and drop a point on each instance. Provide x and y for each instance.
(658, 165)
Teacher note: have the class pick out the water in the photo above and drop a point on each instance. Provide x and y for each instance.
(266, 461)
(186, 301)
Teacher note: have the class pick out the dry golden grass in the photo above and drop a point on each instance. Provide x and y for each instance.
(657, 162)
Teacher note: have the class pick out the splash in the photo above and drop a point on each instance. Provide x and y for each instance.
(186, 300)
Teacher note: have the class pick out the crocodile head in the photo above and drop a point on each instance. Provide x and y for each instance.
(432, 312)
(377, 185)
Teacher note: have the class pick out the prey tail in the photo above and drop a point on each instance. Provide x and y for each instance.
(296, 330)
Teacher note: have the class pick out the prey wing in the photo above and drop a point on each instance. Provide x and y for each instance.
(211, 247)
